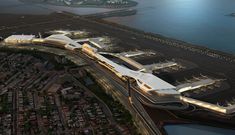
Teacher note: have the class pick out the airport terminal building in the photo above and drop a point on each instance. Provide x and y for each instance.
(153, 89)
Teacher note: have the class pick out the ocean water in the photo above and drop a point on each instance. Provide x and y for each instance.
(17, 7)
(201, 22)
(194, 129)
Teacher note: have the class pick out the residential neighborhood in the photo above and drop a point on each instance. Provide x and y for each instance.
(39, 97)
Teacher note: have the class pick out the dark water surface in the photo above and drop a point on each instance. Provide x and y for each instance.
(203, 22)
(17, 7)
(194, 129)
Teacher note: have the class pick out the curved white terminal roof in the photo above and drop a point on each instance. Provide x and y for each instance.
(94, 41)
(67, 32)
(146, 81)
(195, 85)
(69, 43)
(19, 38)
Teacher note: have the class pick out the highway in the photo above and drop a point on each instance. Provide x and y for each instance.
(118, 84)
(152, 101)
(186, 52)
(134, 103)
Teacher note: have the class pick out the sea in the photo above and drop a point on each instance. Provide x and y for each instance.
(200, 22)
(195, 129)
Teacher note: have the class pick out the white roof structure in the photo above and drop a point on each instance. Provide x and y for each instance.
(158, 66)
(19, 38)
(194, 85)
(67, 32)
(82, 40)
(146, 81)
(98, 42)
(61, 38)
(132, 53)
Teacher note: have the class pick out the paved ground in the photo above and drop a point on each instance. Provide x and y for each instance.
(16, 24)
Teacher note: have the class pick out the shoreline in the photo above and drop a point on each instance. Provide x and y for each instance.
(177, 43)
(154, 36)
(78, 22)
(114, 13)
(131, 4)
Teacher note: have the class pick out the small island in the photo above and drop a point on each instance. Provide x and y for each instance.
(232, 14)
(87, 3)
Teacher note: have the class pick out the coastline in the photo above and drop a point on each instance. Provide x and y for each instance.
(115, 13)
(81, 20)
(156, 37)
(175, 42)
(131, 4)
